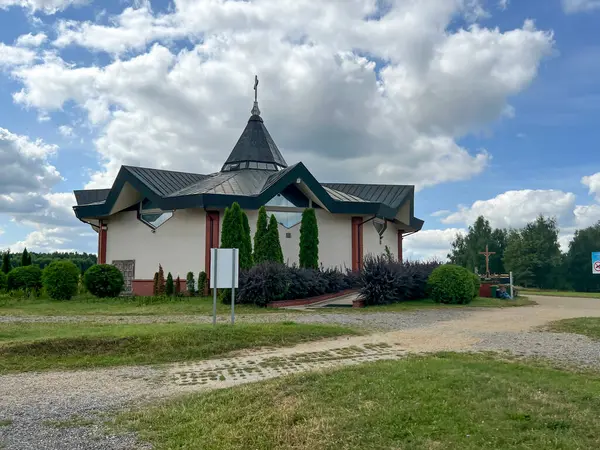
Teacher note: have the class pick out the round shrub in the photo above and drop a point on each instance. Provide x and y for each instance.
(476, 285)
(61, 279)
(451, 284)
(3, 281)
(104, 280)
(28, 278)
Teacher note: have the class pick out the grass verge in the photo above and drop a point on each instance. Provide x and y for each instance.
(90, 305)
(588, 326)
(450, 401)
(560, 293)
(42, 346)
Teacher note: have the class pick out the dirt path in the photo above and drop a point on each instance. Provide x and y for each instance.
(31, 399)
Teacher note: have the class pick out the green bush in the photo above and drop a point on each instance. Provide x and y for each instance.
(27, 278)
(451, 284)
(3, 281)
(61, 280)
(104, 280)
(476, 285)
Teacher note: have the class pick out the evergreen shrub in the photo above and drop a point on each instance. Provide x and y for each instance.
(61, 279)
(28, 278)
(451, 284)
(104, 280)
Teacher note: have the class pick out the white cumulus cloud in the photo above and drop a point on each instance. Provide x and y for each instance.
(46, 6)
(15, 56)
(593, 184)
(517, 208)
(324, 98)
(577, 6)
(430, 244)
(31, 40)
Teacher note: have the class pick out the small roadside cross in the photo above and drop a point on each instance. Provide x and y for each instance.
(487, 255)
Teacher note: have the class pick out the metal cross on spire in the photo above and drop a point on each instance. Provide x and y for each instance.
(487, 255)
(255, 109)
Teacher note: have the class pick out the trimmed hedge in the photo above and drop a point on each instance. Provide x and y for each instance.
(451, 284)
(104, 280)
(269, 282)
(61, 280)
(384, 280)
(27, 278)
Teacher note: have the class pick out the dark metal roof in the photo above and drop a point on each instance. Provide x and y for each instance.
(89, 196)
(164, 182)
(256, 144)
(244, 182)
(388, 194)
(342, 196)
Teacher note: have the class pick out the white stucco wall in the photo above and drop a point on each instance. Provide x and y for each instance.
(371, 244)
(335, 239)
(178, 245)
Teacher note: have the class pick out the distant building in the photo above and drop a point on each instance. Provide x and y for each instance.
(150, 217)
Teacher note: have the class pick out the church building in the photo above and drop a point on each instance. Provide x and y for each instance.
(152, 216)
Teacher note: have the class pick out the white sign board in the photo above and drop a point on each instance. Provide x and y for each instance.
(224, 268)
(596, 263)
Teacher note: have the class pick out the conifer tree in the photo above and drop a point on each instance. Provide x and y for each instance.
(260, 242)
(169, 287)
(274, 252)
(161, 281)
(190, 283)
(155, 284)
(232, 233)
(246, 249)
(309, 240)
(6, 266)
(25, 258)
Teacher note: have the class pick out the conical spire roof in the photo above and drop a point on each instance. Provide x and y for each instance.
(255, 149)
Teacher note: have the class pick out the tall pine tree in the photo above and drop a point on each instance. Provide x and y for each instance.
(6, 266)
(246, 261)
(260, 242)
(274, 252)
(309, 240)
(25, 258)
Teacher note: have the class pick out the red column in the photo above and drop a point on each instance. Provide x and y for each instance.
(357, 243)
(211, 240)
(400, 238)
(102, 235)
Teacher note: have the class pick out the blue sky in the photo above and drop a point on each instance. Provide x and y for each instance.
(487, 107)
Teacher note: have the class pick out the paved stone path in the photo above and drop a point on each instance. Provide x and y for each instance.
(54, 410)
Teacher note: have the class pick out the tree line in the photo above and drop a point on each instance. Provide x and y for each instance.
(83, 261)
(532, 253)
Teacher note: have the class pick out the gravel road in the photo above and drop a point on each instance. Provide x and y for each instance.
(65, 410)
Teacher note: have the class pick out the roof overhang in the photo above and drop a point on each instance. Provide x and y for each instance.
(129, 188)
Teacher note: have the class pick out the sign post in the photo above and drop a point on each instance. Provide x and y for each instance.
(596, 263)
(511, 286)
(224, 272)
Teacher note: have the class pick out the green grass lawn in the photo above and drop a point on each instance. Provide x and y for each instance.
(588, 326)
(480, 302)
(462, 402)
(559, 293)
(90, 305)
(44, 346)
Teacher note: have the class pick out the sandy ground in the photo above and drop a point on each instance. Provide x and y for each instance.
(31, 399)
